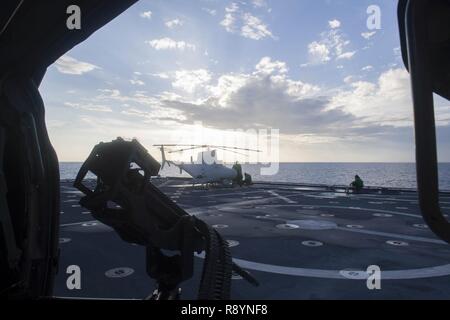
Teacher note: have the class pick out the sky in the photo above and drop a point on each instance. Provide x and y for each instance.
(228, 72)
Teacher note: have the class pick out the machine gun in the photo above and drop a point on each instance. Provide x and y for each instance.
(125, 199)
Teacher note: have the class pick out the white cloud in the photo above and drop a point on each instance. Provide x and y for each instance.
(170, 44)
(229, 22)
(171, 24)
(230, 89)
(334, 24)
(248, 25)
(116, 95)
(367, 68)
(267, 66)
(137, 82)
(298, 89)
(259, 3)
(212, 12)
(109, 93)
(331, 46)
(346, 55)
(261, 99)
(368, 35)
(385, 102)
(233, 7)
(162, 75)
(89, 107)
(191, 80)
(254, 28)
(69, 65)
(230, 18)
(348, 79)
(227, 85)
(318, 52)
(146, 14)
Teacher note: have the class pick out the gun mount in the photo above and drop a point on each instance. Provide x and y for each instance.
(140, 213)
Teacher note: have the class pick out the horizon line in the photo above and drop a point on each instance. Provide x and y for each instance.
(292, 162)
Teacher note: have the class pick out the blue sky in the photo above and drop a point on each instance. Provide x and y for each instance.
(210, 71)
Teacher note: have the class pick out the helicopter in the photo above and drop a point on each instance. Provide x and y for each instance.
(207, 169)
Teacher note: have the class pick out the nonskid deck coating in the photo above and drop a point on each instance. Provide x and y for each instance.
(299, 244)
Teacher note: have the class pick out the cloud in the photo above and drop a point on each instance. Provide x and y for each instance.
(254, 28)
(384, 102)
(334, 24)
(267, 66)
(69, 65)
(148, 108)
(137, 82)
(346, 55)
(233, 7)
(161, 75)
(146, 14)
(263, 98)
(332, 45)
(139, 98)
(190, 80)
(170, 44)
(261, 103)
(89, 107)
(348, 79)
(319, 52)
(229, 22)
(368, 35)
(266, 98)
(367, 68)
(244, 23)
(259, 3)
(171, 24)
(212, 12)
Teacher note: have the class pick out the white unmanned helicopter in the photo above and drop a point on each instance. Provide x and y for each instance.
(207, 169)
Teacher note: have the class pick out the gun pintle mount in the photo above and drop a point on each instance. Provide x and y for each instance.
(124, 198)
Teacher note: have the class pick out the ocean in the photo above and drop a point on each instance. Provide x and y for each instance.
(394, 175)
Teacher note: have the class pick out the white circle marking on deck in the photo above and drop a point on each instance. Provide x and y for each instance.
(397, 243)
(311, 243)
(89, 224)
(382, 215)
(287, 226)
(313, 224)
(419, 273)
(121, 272)
(220, 226)
(354, 226)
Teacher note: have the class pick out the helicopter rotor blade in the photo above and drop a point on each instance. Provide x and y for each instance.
(181, 150)
(235, 148)
(195, 146)
(242, 154)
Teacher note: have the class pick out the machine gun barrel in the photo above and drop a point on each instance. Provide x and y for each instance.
(125, 199)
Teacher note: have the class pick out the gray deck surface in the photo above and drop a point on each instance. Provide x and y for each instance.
(298, 243)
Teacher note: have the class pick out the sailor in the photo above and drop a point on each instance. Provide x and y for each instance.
(247, 179)
(238, 168)
(357, 184)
